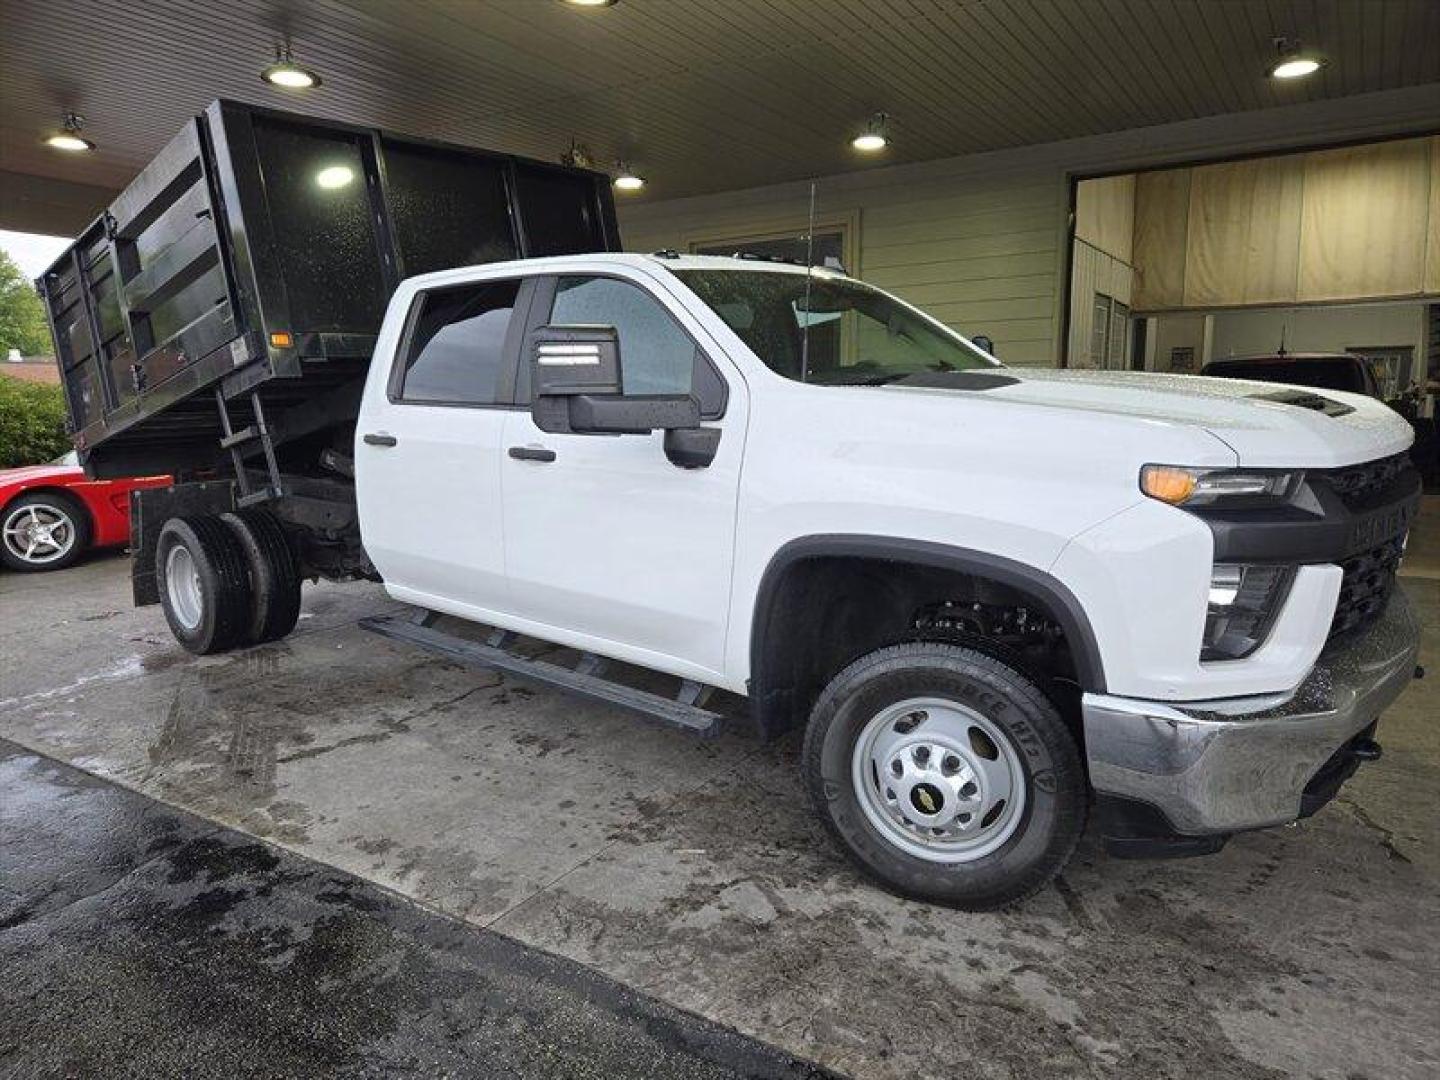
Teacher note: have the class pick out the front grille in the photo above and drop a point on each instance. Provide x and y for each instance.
(1363, 485)
(1368, 579)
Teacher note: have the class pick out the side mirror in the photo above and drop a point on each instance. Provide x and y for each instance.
(577, 386)
(981, 341)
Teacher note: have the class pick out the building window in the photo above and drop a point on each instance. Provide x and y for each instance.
(828, 250)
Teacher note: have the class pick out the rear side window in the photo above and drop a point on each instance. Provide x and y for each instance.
(457, 346)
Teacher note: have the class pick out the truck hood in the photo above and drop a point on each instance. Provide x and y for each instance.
(1266, 424)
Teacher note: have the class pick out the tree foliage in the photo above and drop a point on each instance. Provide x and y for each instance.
(32, 423)
(22, 317)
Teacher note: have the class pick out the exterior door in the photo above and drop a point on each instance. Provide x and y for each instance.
(609, 540)
(428, 452)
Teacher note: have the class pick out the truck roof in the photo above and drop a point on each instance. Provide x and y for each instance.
(667, 259)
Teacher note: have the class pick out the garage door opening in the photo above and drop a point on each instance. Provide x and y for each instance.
(1321, 267)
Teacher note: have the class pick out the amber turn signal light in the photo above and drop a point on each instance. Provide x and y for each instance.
(1166, 483)
(281, 339)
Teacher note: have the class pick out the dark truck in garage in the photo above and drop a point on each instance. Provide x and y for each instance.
(993, 598)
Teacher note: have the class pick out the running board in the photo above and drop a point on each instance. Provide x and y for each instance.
(583, 682)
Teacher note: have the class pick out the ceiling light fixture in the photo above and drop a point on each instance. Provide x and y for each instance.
(1294, 62)
(875, 136)
(334, 176)
(69, 137)
(626, 178)
(284, 72)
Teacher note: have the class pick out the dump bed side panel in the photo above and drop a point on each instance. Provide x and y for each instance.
(142, 296)
(256, 255)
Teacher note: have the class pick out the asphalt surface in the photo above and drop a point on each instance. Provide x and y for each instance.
(139, 940)
(692, 871)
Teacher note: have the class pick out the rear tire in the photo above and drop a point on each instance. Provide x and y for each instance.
(946, 774)
(43, 530)
(274, 576)
(204, 582)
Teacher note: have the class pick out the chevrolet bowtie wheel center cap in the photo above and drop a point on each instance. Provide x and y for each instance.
(927, 798)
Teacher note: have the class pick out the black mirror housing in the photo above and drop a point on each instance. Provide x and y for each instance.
(633, 415)
(692, 448)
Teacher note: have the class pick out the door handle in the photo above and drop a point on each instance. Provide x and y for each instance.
(532, 453)
(371, 439)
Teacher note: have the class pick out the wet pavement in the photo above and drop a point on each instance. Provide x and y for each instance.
(693, 871)
(138, 940)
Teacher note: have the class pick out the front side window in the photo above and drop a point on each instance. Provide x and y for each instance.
(656, 355)
(457, 347)
(843, 333)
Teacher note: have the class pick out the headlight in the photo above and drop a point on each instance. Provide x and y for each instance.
(1244, 600)
(1223, 488)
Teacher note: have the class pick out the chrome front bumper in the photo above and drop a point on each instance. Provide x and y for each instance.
(1242, 763)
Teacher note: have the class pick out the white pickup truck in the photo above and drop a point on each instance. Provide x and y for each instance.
(993, 598)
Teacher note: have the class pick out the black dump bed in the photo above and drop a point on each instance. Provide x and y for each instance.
(255, 256)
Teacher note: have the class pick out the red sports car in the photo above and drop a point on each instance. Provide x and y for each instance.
(50, 514)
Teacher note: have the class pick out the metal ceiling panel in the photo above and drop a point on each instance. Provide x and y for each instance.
(698, 95)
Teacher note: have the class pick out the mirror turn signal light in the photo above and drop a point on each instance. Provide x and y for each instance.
(281, 339)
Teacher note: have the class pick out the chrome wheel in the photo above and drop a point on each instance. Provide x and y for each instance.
(39, 533)
(938, 780)
(182, 585)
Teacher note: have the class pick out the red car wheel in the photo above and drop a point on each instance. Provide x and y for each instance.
(43, 530)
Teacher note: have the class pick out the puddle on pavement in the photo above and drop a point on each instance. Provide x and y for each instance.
(233, 722)
(218, 741)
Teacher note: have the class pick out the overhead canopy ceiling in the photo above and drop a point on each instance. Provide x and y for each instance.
(698, 95)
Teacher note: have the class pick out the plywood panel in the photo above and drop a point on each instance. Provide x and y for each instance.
(1105, 214)
(1244, 232)
(1162, 213)
(1363, 230)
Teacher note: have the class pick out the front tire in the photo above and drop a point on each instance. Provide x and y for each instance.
(946, 775)
(43, 530)
(204, 584)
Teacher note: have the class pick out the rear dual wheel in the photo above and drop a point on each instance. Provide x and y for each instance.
(227, 581)
(274, 575)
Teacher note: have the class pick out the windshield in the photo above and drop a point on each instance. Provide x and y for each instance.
(859, 336)
(69, 458)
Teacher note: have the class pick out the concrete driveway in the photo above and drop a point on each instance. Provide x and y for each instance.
(694, 872)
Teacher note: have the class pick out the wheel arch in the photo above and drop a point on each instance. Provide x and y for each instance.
(777, 703)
